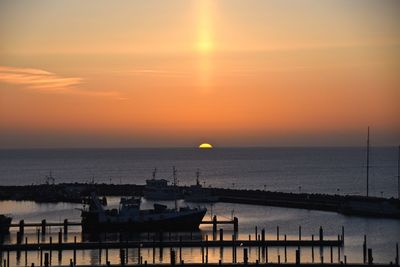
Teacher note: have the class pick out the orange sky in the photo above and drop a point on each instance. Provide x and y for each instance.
(179, 73)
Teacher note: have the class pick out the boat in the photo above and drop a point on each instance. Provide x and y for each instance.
(130, 218)
(197, 193)
(158, 189)
(5, 223)
(369, 206)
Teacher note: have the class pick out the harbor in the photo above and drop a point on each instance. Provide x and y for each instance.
(378, 206)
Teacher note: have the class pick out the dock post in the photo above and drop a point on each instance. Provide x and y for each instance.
(297, 257)
(338, 253)
(122, 256)
(221, 234)
(233, 248)
(41, 257)
(263, 235)
(21, 227)
(370, 258)
(266, 254)
(312, 249)
(245, 256)
(8, 258)
(299, 232)
(342, 234)
(180, 248)
(255, 233)
(207, 249)
(46, 259)
(50, 249)
(321, 234)
(331, 254)
(279, 259)
(277, 232)
(365, 249)
(60, 237)
(75, 251)
(173, 258)
(43, 227)
(235, 225)
(139, 254)
(18, 237)
(65, 226)
(214, 222)
(397, 254)
(285, 250)
(106, 255)
(345, 259)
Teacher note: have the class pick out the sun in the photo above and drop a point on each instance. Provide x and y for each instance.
(205, 145)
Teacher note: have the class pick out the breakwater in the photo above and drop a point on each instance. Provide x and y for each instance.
(345, 204)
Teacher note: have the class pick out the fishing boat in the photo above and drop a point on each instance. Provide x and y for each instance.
(5, 222)
(197, 193)
(130, 218)
(158, 189)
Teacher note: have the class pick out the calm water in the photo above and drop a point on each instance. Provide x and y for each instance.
(326, 170)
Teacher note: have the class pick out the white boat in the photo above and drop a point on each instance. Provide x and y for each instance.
(197, 193)
(158, 189)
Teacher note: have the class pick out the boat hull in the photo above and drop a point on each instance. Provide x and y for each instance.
(190, 222)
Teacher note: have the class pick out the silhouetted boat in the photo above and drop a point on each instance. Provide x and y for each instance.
(129, 217)
(158, 189)
(197, 193)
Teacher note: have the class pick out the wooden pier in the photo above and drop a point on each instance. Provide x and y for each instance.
(66, 224)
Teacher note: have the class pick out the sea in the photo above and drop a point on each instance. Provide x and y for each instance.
(329, 170)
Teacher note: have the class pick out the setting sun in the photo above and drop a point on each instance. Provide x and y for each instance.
(205, 145)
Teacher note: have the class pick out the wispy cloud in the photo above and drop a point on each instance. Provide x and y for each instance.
(46, 81)
(37, 78)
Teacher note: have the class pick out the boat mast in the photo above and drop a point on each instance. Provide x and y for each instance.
(368, 163)
(174, 175)
(197, 177)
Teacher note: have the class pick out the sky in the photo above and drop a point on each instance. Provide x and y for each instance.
(178, 73)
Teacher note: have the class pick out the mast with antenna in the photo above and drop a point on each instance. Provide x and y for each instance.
(197, 177)
(368, 163)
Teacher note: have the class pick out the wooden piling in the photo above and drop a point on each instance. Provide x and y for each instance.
(285, 251)
(365, 249)
(397, 254)
(122, 256)
(370, 258)
(46, 259)
(65, 226)
(299, 232)
(235, 225)
(245, 256)
(277, 233)
(297, 256)
(75, 252)
(221, 234)
(21, 227)
(263, 235)
(331, 254)
(312, 249)
(43, 227)
(321, 234)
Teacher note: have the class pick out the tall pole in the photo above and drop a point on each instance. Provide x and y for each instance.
(398, 175)
(368, 163)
